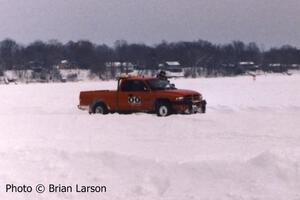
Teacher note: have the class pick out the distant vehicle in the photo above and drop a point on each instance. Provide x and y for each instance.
(143, 94)
(248, 66)
(172, 68)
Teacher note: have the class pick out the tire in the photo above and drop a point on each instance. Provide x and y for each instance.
(100, 108)
(163, 109)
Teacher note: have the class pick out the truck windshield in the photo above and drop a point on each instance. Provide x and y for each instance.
(157, 84)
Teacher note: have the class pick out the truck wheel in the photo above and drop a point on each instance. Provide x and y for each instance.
(163, 109)
(100, 108)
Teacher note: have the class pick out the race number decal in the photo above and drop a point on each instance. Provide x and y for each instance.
(134, 100)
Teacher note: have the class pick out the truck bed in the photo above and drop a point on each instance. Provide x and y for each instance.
(86, 98)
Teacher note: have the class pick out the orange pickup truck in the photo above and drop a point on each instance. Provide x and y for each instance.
(142, 94)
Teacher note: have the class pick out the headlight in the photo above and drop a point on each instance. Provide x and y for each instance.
(200, 97)
(179, 98)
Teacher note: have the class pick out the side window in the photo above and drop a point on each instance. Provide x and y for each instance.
(133, 86)
(126, 86)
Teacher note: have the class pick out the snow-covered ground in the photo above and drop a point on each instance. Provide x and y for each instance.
(247, 145)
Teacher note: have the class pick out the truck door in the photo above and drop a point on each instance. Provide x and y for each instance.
(134, 95)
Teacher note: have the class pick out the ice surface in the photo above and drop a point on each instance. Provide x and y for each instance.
(247, 146)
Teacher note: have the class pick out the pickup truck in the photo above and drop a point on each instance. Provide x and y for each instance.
(142, 94)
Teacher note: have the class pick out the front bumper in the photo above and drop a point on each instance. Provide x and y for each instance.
(188, 107)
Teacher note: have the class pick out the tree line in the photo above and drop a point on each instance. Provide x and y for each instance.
(87, 55)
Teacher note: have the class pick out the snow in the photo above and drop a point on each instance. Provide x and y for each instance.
(247, 145)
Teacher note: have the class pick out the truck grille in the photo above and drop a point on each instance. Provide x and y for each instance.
(195, 97)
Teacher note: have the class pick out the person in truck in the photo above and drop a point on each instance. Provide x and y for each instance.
(162, 75)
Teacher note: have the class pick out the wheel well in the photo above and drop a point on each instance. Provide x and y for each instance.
(161, 101)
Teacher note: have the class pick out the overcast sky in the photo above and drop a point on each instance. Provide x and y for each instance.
(266, 22)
